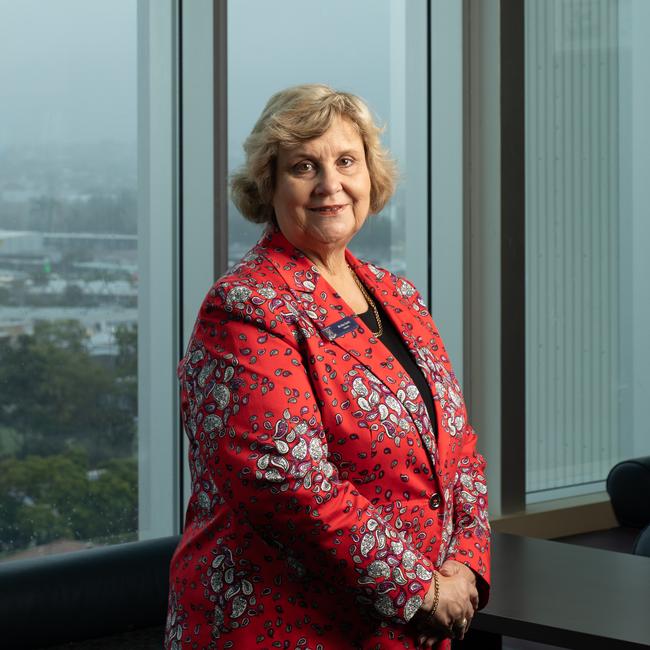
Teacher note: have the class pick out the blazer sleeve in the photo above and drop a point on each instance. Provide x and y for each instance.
(470, 540)
(248, 404)
(470, 534)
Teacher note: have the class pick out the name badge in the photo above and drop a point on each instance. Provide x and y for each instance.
(341, 327)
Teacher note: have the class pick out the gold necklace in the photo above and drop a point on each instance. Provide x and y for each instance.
(371, 304)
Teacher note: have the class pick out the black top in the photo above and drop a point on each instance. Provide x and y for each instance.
(396, 346)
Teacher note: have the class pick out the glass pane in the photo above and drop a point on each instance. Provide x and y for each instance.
(68, 275)
(371, 59)
(587, 232)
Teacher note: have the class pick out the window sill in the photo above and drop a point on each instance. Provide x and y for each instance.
(559, 517)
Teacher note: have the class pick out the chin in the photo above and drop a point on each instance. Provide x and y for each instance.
(342, 229)
(334, 235)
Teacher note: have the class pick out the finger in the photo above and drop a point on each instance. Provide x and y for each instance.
(450, 568)
(460, 626)
(467, 626)
(468, 574)
(446, 569)
(474, 598)
(425, 641)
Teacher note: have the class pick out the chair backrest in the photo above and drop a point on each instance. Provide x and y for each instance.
(87, 594)
(642, 543)
(628, 486)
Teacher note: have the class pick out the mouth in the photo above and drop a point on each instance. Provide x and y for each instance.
(327, 210)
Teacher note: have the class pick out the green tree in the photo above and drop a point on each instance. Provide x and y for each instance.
(73, 295)
(111, 507)
(56, 394)
(10, 441)
(43, 499)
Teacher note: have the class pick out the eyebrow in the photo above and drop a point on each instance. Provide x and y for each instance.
(301, 153)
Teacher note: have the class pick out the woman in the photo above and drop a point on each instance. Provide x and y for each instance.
(338, 500)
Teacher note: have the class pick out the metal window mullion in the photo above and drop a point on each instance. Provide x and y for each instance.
(513, 270)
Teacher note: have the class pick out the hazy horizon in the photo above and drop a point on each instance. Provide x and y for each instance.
(63, 83)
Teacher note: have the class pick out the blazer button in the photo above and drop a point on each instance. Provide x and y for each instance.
(435, 500)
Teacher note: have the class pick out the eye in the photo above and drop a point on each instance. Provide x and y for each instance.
(346, 161)
(304, 167)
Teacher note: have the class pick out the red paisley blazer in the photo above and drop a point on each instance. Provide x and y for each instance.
(321, 498)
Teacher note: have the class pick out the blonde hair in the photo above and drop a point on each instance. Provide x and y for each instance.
(292, 116)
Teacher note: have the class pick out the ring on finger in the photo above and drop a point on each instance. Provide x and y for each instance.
(459, 627)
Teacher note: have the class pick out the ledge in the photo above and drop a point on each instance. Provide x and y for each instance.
(560, 517)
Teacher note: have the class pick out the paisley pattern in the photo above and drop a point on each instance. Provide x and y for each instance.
(311, 522)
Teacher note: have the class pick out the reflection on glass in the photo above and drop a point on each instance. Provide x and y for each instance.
(587, 315)
(68, 276)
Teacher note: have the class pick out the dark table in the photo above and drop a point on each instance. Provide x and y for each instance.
(565, 595)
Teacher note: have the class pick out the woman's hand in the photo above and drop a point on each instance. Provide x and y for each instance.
(452, 567)
(428, 640)
(427, 634)
(457, 600)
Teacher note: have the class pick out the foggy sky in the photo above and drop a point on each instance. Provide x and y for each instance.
(68, 68)
(272, 45)
(67, 71)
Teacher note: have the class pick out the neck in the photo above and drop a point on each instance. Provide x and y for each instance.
(330, 265)
(333, 268)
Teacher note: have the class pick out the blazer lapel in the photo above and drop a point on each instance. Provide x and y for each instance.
(400, 300)
(332, 317)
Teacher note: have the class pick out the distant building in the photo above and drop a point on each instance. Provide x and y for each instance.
(21, 243)
(100, 323)
(88, 241)
(35, 243)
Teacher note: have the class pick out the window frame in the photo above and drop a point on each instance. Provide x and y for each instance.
(204, 222)
(495, 300)
(159, 214)
(447, 155)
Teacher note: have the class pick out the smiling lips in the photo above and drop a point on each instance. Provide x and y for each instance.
(328, 210)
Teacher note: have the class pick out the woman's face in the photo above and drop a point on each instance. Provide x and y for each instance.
(322, 190)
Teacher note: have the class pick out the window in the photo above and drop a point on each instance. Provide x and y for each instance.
(86, 158)
(587, 233)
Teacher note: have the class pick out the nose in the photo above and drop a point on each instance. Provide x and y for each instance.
(329, 182)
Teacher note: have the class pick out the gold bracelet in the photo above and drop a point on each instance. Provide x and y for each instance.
(436, 598)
